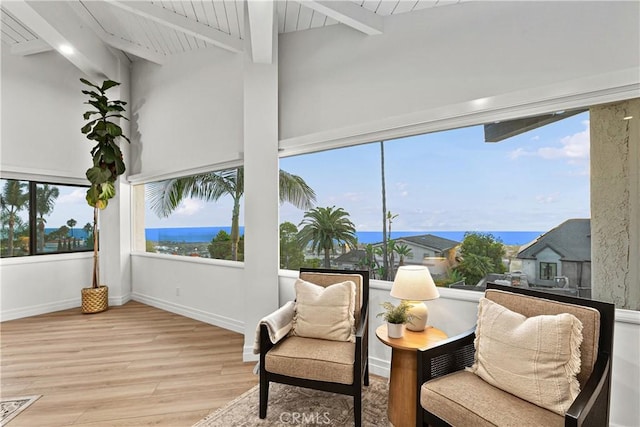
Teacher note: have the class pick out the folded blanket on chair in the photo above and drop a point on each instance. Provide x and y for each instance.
(278, 324)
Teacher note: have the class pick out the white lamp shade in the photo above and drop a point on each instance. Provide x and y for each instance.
(414, 283)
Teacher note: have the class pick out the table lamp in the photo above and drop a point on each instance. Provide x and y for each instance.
(414, 284)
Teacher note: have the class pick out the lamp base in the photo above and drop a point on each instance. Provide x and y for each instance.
(420, 315)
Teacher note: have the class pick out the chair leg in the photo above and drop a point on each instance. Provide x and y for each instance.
(366, 375)
(357, 409)
(264, 396)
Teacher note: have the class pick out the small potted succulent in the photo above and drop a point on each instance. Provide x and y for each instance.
(396, 317)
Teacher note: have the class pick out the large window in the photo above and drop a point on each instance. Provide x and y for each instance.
(491, 201)
(487, 202)
(43, 218)
(198, 215)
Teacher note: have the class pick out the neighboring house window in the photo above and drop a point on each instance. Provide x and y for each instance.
(548, 270)
(44, 218)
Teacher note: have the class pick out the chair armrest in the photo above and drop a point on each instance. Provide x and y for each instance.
(447, 356)
(362, 345)
(364, 323)
(591, 407)
(273, 327)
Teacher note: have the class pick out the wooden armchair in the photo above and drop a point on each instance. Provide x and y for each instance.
(450, 395)
(338, 367)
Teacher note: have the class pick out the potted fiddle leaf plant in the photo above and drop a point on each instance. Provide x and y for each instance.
(396, 316)
(102, 129)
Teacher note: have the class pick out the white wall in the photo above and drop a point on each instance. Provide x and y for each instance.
(451, 61)
(208, 290)
(42, 106)
(42, 284)
(187, 113)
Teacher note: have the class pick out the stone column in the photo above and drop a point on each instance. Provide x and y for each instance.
(615, 203)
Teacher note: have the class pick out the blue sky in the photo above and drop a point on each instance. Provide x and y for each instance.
(444, 181)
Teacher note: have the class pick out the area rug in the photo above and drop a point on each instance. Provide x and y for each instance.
(289, 405)
(11, 407)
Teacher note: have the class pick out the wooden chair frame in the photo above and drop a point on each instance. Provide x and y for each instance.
(360, 366)
(590, 408)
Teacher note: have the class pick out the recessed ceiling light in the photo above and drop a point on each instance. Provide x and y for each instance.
(627, 118)
(66, 49)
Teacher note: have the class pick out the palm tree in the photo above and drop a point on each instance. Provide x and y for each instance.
(13, 199)
(385, 259)
(391, 247)
(325, 226)
(166, 196)
(46, 196)
(88, 229)
(402, 250)
(72, 223)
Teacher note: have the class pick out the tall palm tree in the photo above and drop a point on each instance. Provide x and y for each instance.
(325, 226)
(46, 196)
(385, 258)
(166, 196)
(72, 223)
(14, 198)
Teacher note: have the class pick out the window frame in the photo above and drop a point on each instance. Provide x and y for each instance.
(543, 265)
(32, 216)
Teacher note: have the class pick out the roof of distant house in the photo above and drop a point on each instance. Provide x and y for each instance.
(428, 241)
(351, 257)
(571, 240)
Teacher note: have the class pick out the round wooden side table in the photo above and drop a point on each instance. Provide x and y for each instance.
(403, 384)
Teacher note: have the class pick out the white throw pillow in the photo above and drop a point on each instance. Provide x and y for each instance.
(536, 358)
(326, 313)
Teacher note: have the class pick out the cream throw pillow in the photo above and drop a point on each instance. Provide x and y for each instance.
(536, 358)
(325, 313)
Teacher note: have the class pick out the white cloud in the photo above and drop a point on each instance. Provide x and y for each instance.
(535, 138)
(77, 195)
(574, 147)
(548, 198)
(189, 207)
(401, 189)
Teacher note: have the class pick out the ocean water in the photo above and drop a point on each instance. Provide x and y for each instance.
(205, 234)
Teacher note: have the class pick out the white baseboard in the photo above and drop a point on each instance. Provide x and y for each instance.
(247, 354)
(203, 316)
(51, 307)
(379, 367)
(35, 310)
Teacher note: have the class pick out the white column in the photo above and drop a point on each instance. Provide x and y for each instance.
(115, 220)
(615, 203)
(261, 195)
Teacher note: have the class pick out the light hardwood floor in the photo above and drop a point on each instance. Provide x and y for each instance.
(132, 365)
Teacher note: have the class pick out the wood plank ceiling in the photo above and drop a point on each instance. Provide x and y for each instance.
(155, 30)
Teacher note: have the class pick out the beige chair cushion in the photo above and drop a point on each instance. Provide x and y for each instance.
(313, 359)
(464, 399)
(532, 306)
(326, 279)
(534, 358)
(325, 312)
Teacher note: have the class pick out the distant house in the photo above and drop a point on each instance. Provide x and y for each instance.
(426, 249)
(561, 257)
(349, 260)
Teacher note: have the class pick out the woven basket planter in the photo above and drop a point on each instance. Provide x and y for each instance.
(95, 300)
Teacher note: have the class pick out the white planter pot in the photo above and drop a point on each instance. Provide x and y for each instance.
(395, 330)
